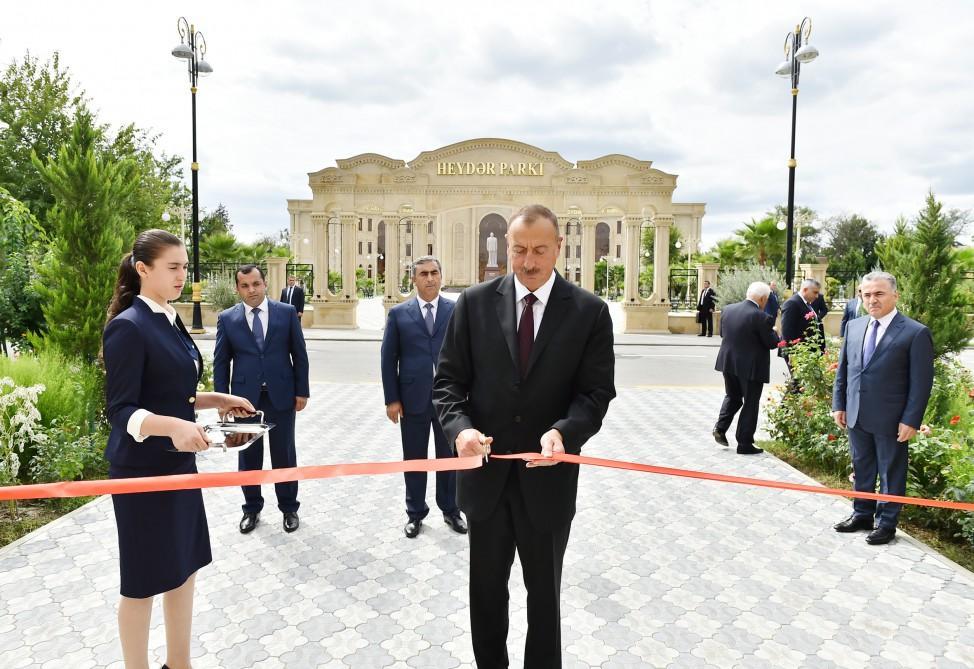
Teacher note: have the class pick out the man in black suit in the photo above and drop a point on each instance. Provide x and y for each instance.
(293, 294)
(773, 305)
(706, 303)
(527, 364)
(799, 319)
(744, 358)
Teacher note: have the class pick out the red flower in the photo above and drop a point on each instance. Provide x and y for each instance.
(834, 366)
(970, 393)
(809, 315)
(832, 437)
(782, 344)
(808, 413)
(955, 420)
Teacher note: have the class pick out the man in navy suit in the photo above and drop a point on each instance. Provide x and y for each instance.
(882, 386)
(853, 310)
(799, 318)
(293, 294)
(263, 340)
(410, 350)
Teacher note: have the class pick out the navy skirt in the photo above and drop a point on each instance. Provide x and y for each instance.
(162, 536)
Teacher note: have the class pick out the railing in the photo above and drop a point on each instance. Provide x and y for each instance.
(683, 289)
(209, 270)
(305, 274)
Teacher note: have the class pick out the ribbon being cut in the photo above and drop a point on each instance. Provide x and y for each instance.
(314, 472)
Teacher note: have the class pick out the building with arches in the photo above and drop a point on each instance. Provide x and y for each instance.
(376, 213)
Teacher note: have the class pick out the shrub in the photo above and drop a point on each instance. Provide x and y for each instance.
(20, 426)
(732, 284)
(221, 291)
(941, 464)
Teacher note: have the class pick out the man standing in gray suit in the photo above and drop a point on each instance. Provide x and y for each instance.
(882, 386)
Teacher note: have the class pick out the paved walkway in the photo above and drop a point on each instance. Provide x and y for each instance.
(660, 572)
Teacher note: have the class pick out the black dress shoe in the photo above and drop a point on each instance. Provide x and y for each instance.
(881, 535)
(749, 450)
(249, 522)
(412, 528)
(701, 335)
(456, 523)
(291, 521)
(720, 437)
(854, 523)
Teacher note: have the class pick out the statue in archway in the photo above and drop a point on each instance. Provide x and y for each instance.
(491, 250)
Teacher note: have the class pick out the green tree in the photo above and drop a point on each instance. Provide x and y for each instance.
(215, 222)
(805, 220)
(926, 265)
(39, 105)
(220, 247)
(729, 253)
(160, 177)
(77, 277)
(851, 248)
(20, 311)
(764, 243)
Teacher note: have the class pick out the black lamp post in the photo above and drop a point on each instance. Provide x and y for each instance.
(798, 50)
(192, 48)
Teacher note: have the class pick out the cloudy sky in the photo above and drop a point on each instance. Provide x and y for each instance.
(885, 113)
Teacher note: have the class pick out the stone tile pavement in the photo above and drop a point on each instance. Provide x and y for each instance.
(660, 572)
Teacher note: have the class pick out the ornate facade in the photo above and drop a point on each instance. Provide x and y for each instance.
(378, 213)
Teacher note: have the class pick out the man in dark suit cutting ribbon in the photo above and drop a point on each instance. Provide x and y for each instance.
(527, 365)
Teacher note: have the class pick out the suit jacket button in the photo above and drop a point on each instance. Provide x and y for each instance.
(517, 419)
(192, 400)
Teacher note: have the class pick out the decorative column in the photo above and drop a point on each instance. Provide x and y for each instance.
(707, 271)
(319, 254)
(661, 260)
(393, 262)
(588, 252)
(814, 271)
(632, 227)
(349, 264)
(276, 275)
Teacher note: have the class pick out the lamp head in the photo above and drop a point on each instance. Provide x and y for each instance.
(204, 68)
(784, 68)
(806, 54)
(182, 50)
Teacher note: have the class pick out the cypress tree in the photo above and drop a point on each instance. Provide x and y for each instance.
(89, 238)
(924, 260)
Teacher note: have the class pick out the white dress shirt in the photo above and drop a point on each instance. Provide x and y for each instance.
(543, 294)
(422, 306)
(883, 327)
(134, 425)
(249, 313)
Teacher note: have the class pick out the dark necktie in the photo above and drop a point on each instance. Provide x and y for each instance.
(258, 329)
(429, 318)
(525, 332)
(290, 292)
(867, 352)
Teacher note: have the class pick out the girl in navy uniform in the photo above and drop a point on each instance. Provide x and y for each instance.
(152, 369)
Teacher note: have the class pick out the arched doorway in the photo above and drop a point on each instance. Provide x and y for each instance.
(498, 225)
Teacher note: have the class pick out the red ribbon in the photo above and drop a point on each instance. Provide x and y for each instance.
(232, 479)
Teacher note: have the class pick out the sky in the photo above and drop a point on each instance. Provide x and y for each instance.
(885, 114)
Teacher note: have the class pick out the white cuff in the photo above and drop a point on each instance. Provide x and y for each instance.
(134, 426)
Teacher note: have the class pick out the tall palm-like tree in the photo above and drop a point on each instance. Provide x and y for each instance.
(764, 242)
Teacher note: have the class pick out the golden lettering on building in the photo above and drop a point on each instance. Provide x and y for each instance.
(489, 168)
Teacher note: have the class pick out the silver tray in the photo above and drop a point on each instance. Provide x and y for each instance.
(229, 435)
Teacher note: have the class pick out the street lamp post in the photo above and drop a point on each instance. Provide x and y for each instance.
(798, 50)
(192, 48)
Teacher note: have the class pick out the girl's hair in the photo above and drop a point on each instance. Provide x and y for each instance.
(147, 247)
